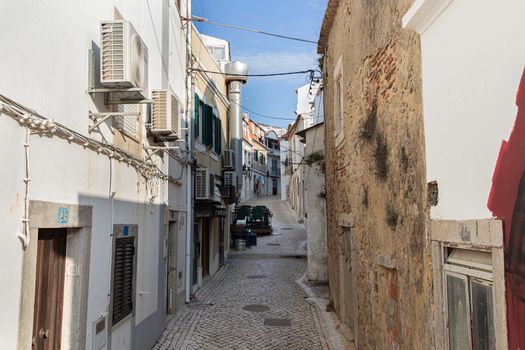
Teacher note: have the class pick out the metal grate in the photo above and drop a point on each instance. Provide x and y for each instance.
(112, 37)
(159, 110)
(256, 308)
(201, 184)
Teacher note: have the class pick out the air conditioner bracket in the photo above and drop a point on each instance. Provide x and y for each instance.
(100, 118)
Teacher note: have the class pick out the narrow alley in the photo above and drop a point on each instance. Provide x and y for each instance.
(262, 175)
(260, 295)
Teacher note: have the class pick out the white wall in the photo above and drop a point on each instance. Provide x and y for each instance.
(316, 208)
(285, 179)
(43, 65)
(472, 63)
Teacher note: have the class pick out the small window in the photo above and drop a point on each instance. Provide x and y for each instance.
(219, 52)
(470, 315)
(123, 276)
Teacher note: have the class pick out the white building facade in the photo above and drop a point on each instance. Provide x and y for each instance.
(309, 113)
(91, 193)
(473, 88)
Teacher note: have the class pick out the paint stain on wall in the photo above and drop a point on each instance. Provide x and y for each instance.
(507, 202)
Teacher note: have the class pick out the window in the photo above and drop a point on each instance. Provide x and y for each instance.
(338, 102)
(218, 52)
(256, 155)
(469, 310)
(126, 124)
(123, 271)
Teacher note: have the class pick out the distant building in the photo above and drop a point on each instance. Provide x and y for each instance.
(309, 112)
(255, 158)
(315, 201)
(261, 159)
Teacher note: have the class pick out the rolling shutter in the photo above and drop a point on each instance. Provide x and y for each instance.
(123, 278)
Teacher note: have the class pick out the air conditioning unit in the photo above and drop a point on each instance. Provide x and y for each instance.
(228, 159)
(165, 114)
(123, 58)
(230, 178)
(204, 184)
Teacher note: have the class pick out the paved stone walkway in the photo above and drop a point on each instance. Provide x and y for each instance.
(255, 302)
(218, 321)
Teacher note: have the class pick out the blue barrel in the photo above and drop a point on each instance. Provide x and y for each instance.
(253, 239)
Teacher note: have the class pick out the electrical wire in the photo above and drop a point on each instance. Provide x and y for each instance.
(310, 71)
(207, 21)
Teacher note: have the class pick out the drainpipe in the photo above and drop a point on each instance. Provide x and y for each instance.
(236, 76)
(190, 88)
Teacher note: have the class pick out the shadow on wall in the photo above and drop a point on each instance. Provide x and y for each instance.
(121, 216)
(507, 202)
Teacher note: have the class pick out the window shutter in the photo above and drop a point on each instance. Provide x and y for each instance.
(123, 278)
(219, 136)
(217, 130)
(197, 115)
(207, 132)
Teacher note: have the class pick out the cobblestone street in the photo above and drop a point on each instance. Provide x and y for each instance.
(256, 300)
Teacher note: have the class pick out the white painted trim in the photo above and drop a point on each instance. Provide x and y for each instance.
(423, 13)
(488, 276)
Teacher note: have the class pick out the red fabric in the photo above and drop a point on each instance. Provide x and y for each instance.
(507, 202)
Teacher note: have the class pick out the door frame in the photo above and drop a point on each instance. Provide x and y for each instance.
(78, 250)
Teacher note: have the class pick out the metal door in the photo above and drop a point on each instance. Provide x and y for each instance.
(49, 289)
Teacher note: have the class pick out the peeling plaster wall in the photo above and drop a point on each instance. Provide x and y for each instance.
(379, 251)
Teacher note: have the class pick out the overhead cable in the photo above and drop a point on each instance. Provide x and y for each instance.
(207, 21)
(309, 71)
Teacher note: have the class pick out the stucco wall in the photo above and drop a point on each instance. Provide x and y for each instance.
(315, 193)
(51, 48)
(379, 255)
(471, 73)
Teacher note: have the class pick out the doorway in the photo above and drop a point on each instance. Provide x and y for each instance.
(274, 187)
(205, 247)
(49, 288)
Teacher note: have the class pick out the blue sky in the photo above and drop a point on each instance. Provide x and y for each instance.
(265, 54)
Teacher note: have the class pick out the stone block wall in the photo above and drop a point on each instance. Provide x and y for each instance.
(379, 252)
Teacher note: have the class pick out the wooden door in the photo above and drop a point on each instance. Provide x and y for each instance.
(206, 247)
(49, 289)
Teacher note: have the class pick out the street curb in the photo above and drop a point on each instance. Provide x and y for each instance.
(329, 322)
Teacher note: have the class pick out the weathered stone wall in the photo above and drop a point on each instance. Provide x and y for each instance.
(379, 253)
